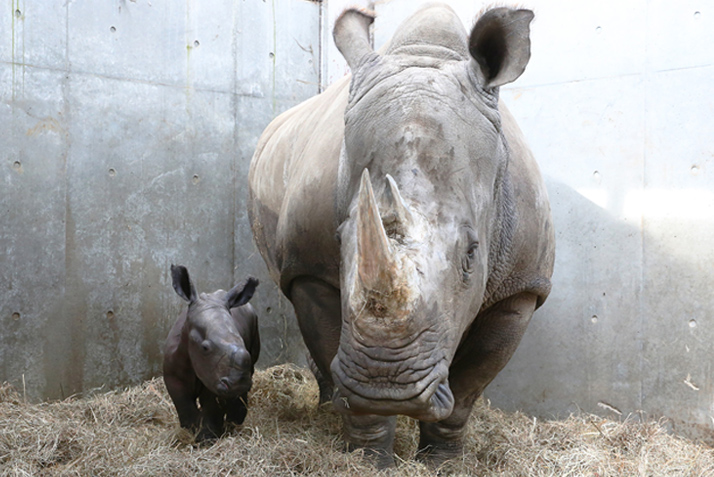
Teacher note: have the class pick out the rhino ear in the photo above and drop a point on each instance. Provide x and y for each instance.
(242, 293)
(182, 283)
(500, 45)
(351, 34)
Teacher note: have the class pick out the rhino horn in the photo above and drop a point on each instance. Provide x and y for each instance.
(376, 263)
(397, 213)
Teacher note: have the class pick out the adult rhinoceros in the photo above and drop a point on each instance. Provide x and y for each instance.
(406, 220)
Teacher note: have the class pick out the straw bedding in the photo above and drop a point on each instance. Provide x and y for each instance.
(135, 432)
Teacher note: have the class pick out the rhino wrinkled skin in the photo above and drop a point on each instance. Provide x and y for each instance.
(210, 355)
(403, 215)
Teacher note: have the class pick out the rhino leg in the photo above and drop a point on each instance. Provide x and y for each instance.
(236, 409)
(317, 308)
(325, 384)
(184, 402)
(212, 416)
(490, 343)
(374, 434)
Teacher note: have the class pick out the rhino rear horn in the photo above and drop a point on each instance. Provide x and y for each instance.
(182, 283)
(376, 263)
(241, 294)
(396, 213)
(500, 45)
(351, 34)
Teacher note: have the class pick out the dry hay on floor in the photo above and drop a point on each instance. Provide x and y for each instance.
(135, 432)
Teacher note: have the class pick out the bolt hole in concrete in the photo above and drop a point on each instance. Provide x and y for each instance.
(112, 29)
(271, 55)
(16, 316)
(268, 310)
(112, 172)
(594, 319)
(110, 315)
(692, 323)
(18, 13)
(196, 179)
(17, 165)
(694, 170)
(697, 15)
(196, 43)
(598, 30)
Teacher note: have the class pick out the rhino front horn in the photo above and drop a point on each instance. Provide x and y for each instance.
(376, 262)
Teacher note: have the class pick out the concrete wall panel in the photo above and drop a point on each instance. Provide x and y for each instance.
(137, 205)
(139, 41)
(278, 67)
(125, 150)
(32, 218)
(591, 155)
(679, 34)
(677, 207)
(33, 34)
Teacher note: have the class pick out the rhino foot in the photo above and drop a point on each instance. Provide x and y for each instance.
(373, 434)
(379, 457)
(209, 430)
(435, 455)
(236, 409)
(207, 436)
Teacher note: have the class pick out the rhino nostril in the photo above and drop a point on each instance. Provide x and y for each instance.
(240, 358)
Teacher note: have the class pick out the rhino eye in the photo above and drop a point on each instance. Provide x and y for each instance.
(469, 259)
(206, 346)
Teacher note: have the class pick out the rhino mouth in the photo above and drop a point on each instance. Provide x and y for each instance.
(428, 399)
(229, 387)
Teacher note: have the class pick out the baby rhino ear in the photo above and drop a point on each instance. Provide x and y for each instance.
(182, 283)
(500, 45)
(241, 294)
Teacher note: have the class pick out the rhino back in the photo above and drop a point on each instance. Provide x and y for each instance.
(246, 321)
(435, 31)
(177, 363)
(292, 182)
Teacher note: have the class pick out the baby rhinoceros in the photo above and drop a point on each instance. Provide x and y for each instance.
(210, 355)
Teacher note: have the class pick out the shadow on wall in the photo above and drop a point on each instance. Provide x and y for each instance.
(626, 331)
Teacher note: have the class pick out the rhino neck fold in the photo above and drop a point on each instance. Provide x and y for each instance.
(500, 257)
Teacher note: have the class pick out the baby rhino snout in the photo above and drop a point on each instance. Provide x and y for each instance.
(237, 376)
(227, 383)
(240, 359)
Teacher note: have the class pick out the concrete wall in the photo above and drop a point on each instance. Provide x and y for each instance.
(127, 133)
(618, 107)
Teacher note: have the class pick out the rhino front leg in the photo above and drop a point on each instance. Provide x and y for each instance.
(236, 409)
(184, 402)
(212, 416)
(374, 434)
(317, 308)
(489, 344)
